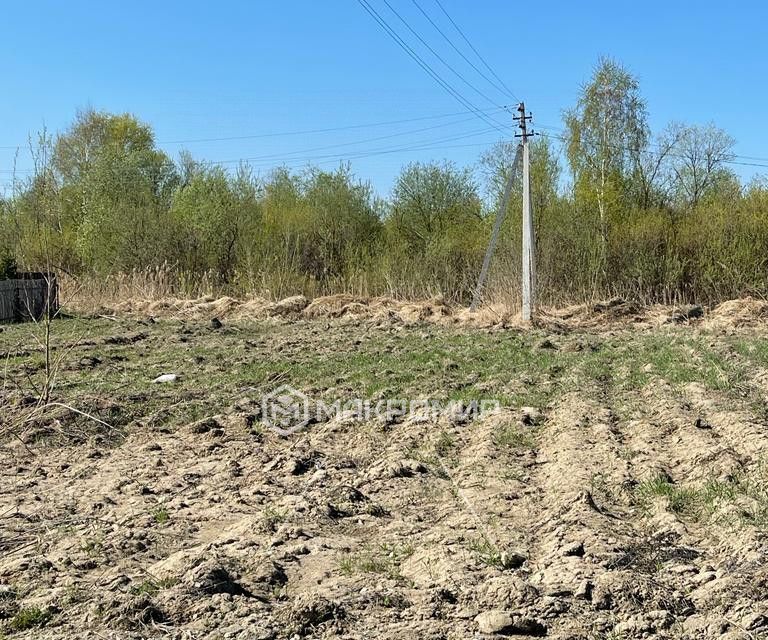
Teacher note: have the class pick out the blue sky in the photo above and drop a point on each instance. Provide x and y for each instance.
(199, 70)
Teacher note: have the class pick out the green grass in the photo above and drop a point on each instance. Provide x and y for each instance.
(488, 553)
(271, 517)
(510, 436)
(628, 364)
(713, 500)
(29, 618)
(384, 559)
(152, 587)
(444, 444)
(92, 547)
(754, 349)
(439, 363)
(683, 501)
(161, 515)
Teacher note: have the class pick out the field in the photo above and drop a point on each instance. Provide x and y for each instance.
(618, 490)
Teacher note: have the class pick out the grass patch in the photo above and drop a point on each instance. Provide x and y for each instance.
(491, 555)
(439, 363)
(754, 349)
(271, 517)
(29, 618)
(681, 360)
(152, 587)
(487, 552)
(510, 436)
(92, 547)
(741, 499)
(384, 559)
(161, 515)
(628, 363)
(444, 444)
(682, 501)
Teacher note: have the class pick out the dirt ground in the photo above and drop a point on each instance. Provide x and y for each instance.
(618, 491)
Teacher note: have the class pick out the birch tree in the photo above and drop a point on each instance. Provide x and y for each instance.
(607, 134)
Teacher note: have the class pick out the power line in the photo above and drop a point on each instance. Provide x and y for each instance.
(364, 141)
(302, 152)
(437, 55)
(424, 65)
(752, 158)
(652, 152)
(362, 153)
(421, 145)
(309, 161)
(331, 158)
(427, 144)
(301, 162)
(493, 83)
(745, 164)
(477, 53)
(313, 131)
(334, 129)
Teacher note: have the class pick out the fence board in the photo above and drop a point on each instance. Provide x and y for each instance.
(7, 300)
(26, 298)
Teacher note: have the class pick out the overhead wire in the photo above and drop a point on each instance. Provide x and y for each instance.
(476, 52)
(363, 141)
(304, 162)
(482, 114)
(425, 65)
(364, 153)
(657, 152)
(445, 36)
(299, 132)
(299, 156)
(450, 67)
(303, 152)
(424, 144)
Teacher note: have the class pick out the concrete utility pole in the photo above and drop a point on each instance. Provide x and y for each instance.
(522, 156)
(529, 260)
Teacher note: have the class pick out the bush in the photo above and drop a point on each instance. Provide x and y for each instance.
(8, 268)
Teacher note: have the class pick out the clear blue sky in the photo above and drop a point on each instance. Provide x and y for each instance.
(233, 68)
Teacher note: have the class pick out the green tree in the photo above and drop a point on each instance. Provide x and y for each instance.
(43, 236)
(607, 134)
(115, 189)
(434, 231)
(429, 198)
(211, 214)
(343, 223)
(699, 161)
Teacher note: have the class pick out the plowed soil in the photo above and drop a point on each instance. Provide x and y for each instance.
(619, 490)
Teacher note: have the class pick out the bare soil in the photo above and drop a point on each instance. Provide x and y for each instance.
(619, 490)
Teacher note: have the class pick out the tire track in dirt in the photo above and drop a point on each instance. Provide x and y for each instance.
(682, 448)
(575, 530)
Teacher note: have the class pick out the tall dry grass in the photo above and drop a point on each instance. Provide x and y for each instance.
(94, 293)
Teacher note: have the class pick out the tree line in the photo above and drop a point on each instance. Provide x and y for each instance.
(619, 210)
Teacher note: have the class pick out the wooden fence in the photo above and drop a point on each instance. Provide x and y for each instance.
(26, 297)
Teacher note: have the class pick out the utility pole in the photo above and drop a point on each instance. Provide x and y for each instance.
(522, 156)
(529, 261)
